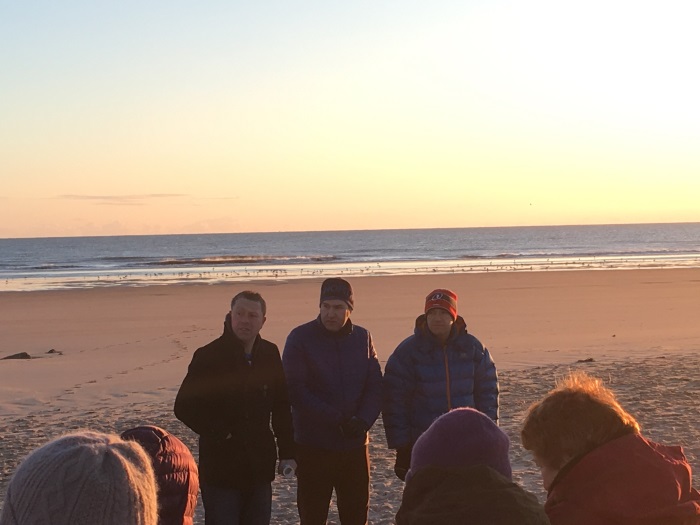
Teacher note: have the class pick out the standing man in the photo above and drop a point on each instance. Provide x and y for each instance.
(233, 385)
(334, 382)
(440, 367)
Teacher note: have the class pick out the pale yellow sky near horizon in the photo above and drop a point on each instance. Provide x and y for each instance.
(229, 117)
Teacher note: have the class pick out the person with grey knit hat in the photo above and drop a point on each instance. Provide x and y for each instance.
(461, 473)
(85, 478)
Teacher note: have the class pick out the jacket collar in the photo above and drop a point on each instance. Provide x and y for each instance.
(569, 465)
(229, 335)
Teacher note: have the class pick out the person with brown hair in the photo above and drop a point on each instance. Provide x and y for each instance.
(235, 397)
(596, 466)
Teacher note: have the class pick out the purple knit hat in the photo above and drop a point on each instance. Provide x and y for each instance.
(462, 438)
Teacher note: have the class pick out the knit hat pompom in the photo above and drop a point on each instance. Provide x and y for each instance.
(80, 479)
(444, 299)
(463, 437)
(338, 289)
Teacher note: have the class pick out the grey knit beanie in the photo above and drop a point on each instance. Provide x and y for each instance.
(87, 478)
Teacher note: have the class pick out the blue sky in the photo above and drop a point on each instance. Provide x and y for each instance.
(181, 117)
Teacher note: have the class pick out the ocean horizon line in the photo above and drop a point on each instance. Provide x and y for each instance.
(353, 230)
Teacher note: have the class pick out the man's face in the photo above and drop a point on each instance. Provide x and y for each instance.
(247, 319)
(439, 323)
(334, 314)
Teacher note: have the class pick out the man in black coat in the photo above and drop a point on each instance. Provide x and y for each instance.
(234, 385)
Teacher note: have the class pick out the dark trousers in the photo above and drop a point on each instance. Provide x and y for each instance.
(228, 506)
(319, 471)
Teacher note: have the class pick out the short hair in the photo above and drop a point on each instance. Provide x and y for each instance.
(251, 296)
(580, 414)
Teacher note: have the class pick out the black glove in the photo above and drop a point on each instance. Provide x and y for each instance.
(353, 428)
(403, 462)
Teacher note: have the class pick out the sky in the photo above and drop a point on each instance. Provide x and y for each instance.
(159, 117)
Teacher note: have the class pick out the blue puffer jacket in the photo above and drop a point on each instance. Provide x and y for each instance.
(331, 377)
(423, 380)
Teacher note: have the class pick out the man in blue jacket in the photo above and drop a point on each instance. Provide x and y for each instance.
(440, 367)
(334, 381)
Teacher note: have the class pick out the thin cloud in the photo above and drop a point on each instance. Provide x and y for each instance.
(122, 200)
(221, 198)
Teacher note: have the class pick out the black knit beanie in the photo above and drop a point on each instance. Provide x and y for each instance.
(336, 288)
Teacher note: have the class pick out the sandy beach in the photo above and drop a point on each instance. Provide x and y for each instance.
(121, 353)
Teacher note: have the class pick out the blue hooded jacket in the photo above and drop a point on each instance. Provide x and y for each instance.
(424, 379)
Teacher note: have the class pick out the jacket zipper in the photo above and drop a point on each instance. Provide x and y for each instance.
(447, 378)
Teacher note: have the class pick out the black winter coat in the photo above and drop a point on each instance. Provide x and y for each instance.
(476, 495)
(229, 402)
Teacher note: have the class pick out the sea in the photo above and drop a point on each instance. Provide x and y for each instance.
(139, 260)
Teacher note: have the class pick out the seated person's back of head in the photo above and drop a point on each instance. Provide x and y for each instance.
(461, 473)
(176, 473)
(598, 468)
(86, 478)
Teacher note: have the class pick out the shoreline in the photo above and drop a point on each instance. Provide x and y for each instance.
(166, 276)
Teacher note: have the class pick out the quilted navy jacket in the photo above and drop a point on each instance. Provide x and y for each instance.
(331, 376)
(424, 379)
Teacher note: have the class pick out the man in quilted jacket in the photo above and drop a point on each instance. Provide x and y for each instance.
(438, 368)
